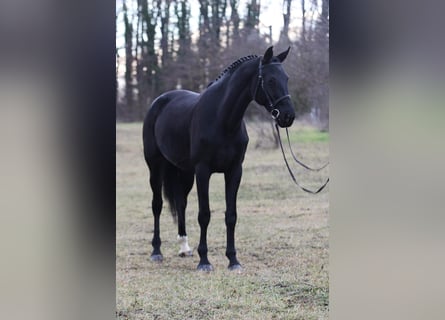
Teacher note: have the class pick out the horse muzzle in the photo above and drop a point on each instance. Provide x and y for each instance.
(283, 118)
(282, 111)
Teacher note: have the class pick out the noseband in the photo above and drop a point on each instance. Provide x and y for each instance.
(271, 107)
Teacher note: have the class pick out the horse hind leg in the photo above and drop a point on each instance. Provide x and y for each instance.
(177, 185)
(184, 248)
(156, 186)
(184, 186)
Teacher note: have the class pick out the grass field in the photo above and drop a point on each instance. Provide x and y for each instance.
(281, 238)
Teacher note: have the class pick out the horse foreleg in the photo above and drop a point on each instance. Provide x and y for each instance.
(232, 179)
(202, 185)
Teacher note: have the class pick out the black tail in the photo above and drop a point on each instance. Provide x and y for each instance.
(170, 179)
(177, 185)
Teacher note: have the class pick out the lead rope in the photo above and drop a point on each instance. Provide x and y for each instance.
(290, 171)
(298, 161)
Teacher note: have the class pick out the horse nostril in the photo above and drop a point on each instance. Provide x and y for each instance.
(287, 117)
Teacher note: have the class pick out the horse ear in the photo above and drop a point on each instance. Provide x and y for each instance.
(283, 55)
(268, 55)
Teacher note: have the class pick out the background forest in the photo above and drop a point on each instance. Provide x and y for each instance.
(163, 45)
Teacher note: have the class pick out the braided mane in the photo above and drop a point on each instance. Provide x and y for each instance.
(233, 66)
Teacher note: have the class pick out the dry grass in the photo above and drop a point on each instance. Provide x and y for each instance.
(281, 238)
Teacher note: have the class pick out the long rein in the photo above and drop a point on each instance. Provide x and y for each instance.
(299, 162)
(275, 113)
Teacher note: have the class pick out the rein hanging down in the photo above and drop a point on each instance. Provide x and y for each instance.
(275, 113)
(299, 162)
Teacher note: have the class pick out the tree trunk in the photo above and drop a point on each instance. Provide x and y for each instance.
(284, 35)
(147, 68)
(235, 21)
(303, 22)
(129, 99)
(165, 20)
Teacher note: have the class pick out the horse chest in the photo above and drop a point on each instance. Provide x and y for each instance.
(223, 158)
(219, 149)
(226, 155)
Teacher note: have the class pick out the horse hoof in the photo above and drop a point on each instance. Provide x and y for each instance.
(186, 254)
(205, 267)
(156, 257)
(236, 267)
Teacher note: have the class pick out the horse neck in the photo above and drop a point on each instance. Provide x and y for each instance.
(238, 95)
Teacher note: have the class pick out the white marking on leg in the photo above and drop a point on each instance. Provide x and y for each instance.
(184, 246)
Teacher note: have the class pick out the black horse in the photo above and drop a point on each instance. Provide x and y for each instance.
(187, 134)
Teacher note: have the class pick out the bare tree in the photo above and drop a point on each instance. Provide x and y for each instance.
(284, 34)
(164, 12)
(323, 45)
(303, 22)
(129, 99)
(218, 13)
(234, 21)
(147, 69)
(184, 73)
(310, 89)
(212, 17)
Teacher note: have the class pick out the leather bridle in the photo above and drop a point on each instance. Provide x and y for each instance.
(271, 107)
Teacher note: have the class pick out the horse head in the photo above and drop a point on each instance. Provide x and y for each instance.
(271, 88)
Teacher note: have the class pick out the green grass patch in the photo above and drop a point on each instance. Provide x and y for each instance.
(306, 134)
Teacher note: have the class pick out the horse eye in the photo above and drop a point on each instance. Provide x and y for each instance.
(271, 82)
